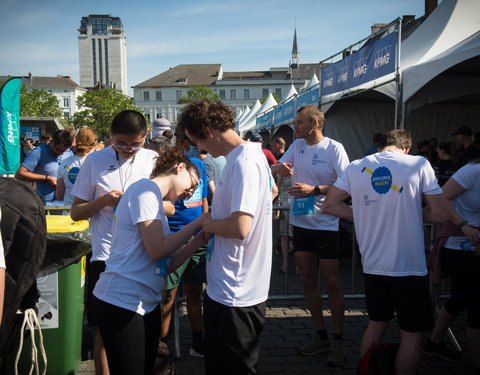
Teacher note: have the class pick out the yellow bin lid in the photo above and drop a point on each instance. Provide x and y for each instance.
(64, 224)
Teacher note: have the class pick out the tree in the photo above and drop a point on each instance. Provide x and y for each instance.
(99, 109)
(275, 96)
(197, 92)
(38, 103)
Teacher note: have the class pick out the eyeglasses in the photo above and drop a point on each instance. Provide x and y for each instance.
(189, 141)
(57, 150)
(134, 146)
(194, 185)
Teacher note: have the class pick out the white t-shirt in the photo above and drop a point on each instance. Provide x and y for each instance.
(101, 173)
(2, 255)
(68, 171)
(238, 272)
(315, 165)
(130, 280)
(466, 204)
(386, 190)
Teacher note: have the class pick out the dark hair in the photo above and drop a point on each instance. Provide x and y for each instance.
(376, 137)
(401, 138)
(46, 136)
(168, 134)
(160, 142)
(198, 115)
(62, 138)
(168, 160)
(129, 122)
(445, 146)
(313, 113)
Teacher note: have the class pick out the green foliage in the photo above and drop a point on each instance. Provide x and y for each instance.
(99, 109)
(38, 103)
(197, 92)
(275, 96)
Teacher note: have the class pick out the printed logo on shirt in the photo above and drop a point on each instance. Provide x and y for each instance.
(381, 180)
(112, 167)
(316, 161)
(72, 174)
(368, 201)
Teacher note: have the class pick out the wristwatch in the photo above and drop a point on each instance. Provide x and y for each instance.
(316, 190)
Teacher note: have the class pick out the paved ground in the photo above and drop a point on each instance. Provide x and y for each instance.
(289, 324)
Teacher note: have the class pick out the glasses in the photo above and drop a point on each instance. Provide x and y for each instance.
(57, 150)
(134, 146)
(194, 185)
(189, 141)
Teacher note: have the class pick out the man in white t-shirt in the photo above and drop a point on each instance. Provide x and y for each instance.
(240, 253)
(387, 190)
(315, 162)
(104, 177)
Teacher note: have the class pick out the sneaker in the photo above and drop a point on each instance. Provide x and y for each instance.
(197, 350)
(430, 349)
(317, 345)
(337, 354)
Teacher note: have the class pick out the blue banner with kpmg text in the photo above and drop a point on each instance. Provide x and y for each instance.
(371, 62)
(265, 121)
(285, 113)
(309, 97)
(10, 126)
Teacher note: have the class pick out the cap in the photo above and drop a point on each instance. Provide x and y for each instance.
(159, 125)
(463, 130)
(255, 137)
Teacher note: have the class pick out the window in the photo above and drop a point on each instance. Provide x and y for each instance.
(146, 96)
(264, 93)
(222, 94)
(246, 93)
(94, 58)
(158, 96)
(107, 78)
(278, 91)
(100, 65)
(233, 94)
(179, 94)
(66, 102)
(66, 114)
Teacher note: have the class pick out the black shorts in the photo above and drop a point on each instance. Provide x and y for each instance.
(94, 269)
(323, 242)
(407, 296)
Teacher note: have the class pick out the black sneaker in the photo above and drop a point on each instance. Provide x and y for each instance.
(430, 349)
(197, 350)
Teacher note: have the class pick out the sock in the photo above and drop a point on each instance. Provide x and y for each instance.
(322, 333)
(164, 339)
(338, 336)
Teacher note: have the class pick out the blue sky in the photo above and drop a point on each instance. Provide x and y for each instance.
(41, 36)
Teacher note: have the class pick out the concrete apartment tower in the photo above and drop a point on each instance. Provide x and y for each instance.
(102, 52)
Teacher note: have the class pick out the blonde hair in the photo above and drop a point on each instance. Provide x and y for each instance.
(86, 140)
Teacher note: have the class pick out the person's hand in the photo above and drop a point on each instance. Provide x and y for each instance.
(112, 198)
(284, 169)
(300, 190)
(472, 233)
(206, 224)
(202, 237)
(52, 181)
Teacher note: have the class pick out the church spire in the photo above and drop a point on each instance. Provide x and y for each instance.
(295, 54)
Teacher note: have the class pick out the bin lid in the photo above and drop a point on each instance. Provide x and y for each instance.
(64, 224)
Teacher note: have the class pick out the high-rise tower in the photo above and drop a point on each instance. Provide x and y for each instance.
(102, 52)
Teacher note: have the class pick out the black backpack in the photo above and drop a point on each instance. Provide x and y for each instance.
(24, 235)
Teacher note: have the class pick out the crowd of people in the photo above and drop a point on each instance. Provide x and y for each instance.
(200, 212)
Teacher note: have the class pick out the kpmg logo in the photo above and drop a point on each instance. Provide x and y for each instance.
(360, 67)
(343, 76)
(12, 127)
(382, 57)
(328, 80)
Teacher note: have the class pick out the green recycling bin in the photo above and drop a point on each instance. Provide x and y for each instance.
(60, 308)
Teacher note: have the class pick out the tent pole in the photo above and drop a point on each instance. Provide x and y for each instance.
(399, 110)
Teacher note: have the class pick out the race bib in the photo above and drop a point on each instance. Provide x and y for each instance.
(196, 198)
(303, 206)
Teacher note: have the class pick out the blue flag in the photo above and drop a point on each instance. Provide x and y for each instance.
(10, 126)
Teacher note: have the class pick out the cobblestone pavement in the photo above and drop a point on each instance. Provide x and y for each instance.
(289, 324)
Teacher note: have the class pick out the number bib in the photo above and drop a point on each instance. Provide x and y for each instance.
(303, 206)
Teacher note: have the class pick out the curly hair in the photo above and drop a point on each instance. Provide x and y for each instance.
(198, 115)
(86, 140)
(168, 160)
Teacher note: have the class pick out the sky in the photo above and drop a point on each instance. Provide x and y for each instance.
(41, 37)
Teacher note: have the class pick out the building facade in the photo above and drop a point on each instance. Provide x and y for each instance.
(102, 52)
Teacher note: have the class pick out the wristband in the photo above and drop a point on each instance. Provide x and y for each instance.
(462, 223)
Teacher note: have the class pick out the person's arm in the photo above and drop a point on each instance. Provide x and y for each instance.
(180, 256)
(2, 291)
(82, 209)
(169, 208)
(60, 192)
(238, 225)
(23, 174)
(282, 169)
(334, 205)
(159, 246)
(211, 190)
(274, 190)
(304, 190)
(204, 205)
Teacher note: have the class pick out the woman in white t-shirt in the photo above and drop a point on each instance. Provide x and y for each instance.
(86, 142)
(461, 258)
(127, 294)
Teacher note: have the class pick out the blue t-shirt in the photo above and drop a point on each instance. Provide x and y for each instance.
(188, 210)
(42, 161)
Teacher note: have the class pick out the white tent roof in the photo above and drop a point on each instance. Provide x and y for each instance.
(239, 114)
(292, 91)
(313, 82)
(250, 114)
(439, 43)
(267, 105)
(245, 112)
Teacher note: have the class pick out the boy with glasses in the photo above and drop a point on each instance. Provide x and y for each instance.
(41, 165)
(104, 177)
